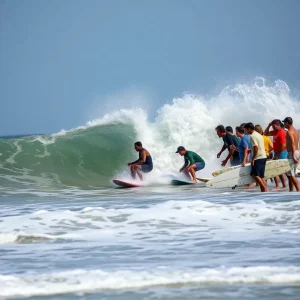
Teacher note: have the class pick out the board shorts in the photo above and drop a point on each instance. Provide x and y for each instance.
(283, 154)
(259, 168)
(235, 162)
(146, 168)
(293, 171)
(199, 166)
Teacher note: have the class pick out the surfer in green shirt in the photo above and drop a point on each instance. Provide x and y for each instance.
(192, 162)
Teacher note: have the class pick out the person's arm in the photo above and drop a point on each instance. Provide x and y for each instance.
(245, 155)
(141, 159)
(133, 162)
(222, 150)
(231, 150)
(293, 145)
(186, 163)
(235, 148)
(224, 162)
(255, 150)
(267, 131)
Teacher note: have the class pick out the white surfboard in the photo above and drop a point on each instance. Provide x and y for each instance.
(241, 175)
(224, 170)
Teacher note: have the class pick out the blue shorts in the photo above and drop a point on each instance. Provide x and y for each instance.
(259, 168)
(146, 168)
(282, 155)
(199, 166)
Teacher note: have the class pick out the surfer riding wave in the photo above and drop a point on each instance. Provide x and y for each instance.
(143, 165)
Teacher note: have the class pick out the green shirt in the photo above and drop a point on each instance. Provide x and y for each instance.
(238, 139)
(191, 157)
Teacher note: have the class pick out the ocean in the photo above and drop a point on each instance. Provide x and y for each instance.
(66, 232)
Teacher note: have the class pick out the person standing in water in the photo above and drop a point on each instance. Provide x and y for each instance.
(236, 137)
(292, 146)
(244, 145)
(279, 145)
(192, 162)
(267, 141)
(259, 157)
(229, 141)
(143, 165)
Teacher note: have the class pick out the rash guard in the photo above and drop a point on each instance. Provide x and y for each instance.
(191, 157)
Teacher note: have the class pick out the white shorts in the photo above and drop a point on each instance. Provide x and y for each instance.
(293, 171)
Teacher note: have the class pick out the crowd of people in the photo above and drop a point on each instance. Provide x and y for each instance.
(249, 144)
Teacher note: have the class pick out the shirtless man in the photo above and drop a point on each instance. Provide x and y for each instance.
(143, 164)
(292, 146)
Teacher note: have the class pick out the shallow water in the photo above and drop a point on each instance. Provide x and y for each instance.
(150, 243)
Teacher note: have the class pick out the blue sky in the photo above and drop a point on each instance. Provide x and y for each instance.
(60, 61)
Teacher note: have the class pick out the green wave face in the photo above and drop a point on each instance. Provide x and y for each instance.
(86, 158)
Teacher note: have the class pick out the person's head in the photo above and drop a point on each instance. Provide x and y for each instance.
(288, 122)
(249, 128)
(181, 150)
(242, 125)
(138, 146)
(239, 131)
(229, 129)
(259, 129)
(220, 129)
(276, 124)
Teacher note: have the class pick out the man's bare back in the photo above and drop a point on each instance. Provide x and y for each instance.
(292, 137)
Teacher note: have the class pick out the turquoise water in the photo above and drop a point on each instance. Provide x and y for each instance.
(84, 158)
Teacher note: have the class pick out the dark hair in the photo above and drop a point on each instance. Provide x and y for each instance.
(240, 129)
(249, 126)
(139, 144)
(229, 129)
(277, 122)
(243, 124)
(289, 120)
(220, 128)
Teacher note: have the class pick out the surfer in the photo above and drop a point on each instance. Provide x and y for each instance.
(279, 145)
(192, 162)
(144, 164)
(292, 146)
(229, 141)
(259, 157)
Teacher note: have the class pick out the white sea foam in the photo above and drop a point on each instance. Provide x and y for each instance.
(96, 280)
(190, 121)
(255, 218)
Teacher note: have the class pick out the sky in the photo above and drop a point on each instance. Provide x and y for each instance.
(65, 62)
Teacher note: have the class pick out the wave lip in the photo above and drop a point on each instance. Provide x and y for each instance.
(96, 280)
(89, 156)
